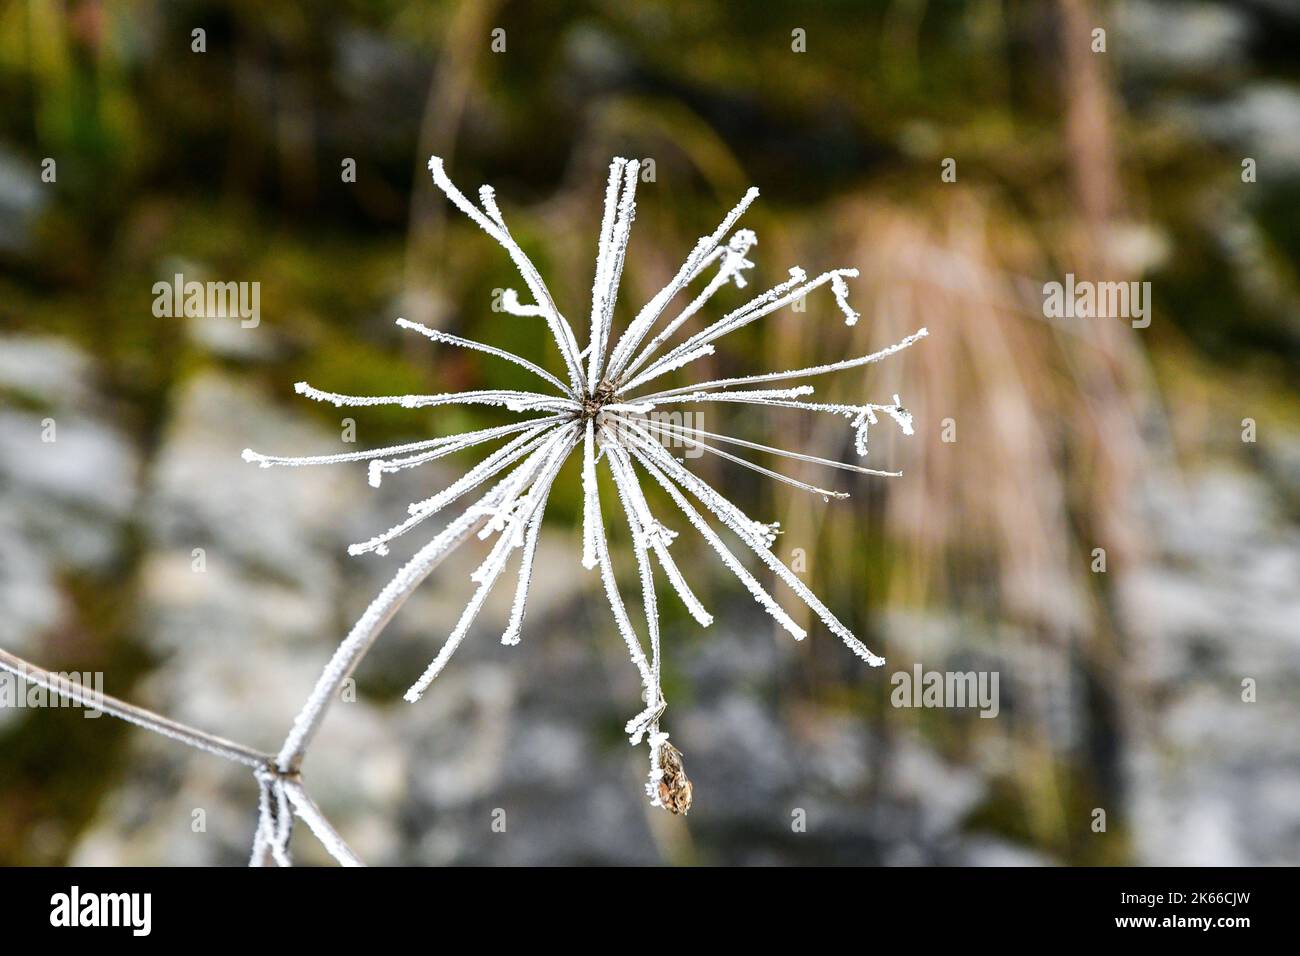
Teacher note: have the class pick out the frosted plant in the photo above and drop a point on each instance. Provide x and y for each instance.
(602, 408)
(600, 414)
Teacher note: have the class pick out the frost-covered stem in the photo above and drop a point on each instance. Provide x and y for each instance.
(734, 262)
(500, 396)
(793, 482)
(775, 298)
(715, 283)
(364, 633)
(600, 283)
(609, 263)
(263, 852)
(379, 466)
(657, 537)
(274, 821)
(590, 498)
(495, 227)
(141, 717)
(675, 363)
(269, 844)
(449, 339)
(759, 395)
(616, 606)
(688, 434)
(490, 570)
(641, 531)
(796, 373)
(746, 527)
(863, 416)
(765, 600)
(306, 808)
(636, 331)
(421, 510)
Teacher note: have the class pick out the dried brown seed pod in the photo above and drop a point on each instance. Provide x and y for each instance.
(674, 787)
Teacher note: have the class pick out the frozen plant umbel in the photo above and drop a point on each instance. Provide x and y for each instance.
(601, 408)
(599, 413)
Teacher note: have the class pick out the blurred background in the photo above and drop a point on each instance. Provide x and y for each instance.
(1155, 679)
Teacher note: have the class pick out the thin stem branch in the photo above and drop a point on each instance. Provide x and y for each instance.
(687, 434)
(793, 482)
(365, 631)
(141, 717)
(306, 808)
(263, 764)
(797, 373)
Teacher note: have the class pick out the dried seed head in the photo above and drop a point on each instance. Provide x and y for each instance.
(675, 791)
(598, 398)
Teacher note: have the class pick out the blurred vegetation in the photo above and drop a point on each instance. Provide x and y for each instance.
(226, 163)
